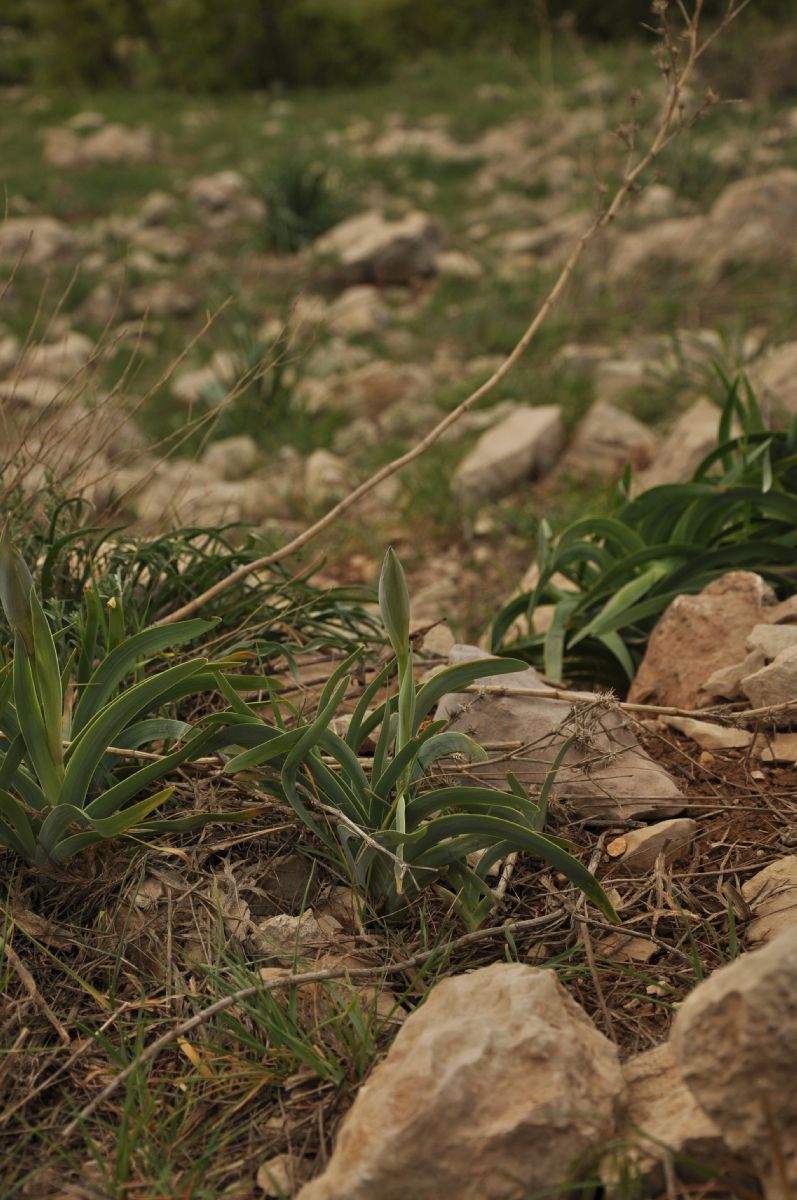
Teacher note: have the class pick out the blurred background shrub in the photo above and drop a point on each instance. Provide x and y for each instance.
(201, 45)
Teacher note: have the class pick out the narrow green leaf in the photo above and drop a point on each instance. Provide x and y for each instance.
(116, 666)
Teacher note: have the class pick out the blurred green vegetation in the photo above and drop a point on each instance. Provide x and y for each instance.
(204, 46)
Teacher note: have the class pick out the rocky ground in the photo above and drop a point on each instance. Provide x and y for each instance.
(162, 350)
(132, 227)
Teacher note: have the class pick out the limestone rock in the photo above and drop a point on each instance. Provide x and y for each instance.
(665, 1121)
(180, 492)
(640, 849)
(109, 144)
(523, 445)
(326, 478)
(735, 1042)
(455, 264)
(166, 298)
(497, 1087)
(774, 684)
(232, 457)
(605, 778)
(751, 221)
(774, 379)
(726, 682)
(697, 635)
(606, 440)
(224, 199)
(359, 310)
(385, 252)
(772, 895)
(770, 639)
(38, 240)
(692, 437)
(60, 359)
(158, 208)
(710, 736)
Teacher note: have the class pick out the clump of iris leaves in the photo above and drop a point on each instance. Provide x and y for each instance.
(738, 512)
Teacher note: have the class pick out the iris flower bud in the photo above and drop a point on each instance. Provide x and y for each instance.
(394, 604)
(15, 589)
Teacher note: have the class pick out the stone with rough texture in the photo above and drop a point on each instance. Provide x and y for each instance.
(232, 457)
(770, 640)
(525, 444)
(59, 359)
(665, 1121)
(605, 776)
(327, 478)
(726, 682)
(497, 1087)
(36, 240)
(772, 895)
(710, 736)
(752, 221)
(606, 440)
(109, 144)
(735, 1042)
(774, 379)
(640, 849)
(371, 249)
(224, 199)
(357, 311)
(698, 635)
(166, 298)
(774, 684)
(692, 437)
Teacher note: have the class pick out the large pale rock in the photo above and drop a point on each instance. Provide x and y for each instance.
(751, 221)
(233, 457)
(327, 478)
(38, 240)
(109, 144)
(359, 310)
(606, 440)
(224, 199)
(496, 1088)
(774, 379)
(524, 444)
(182, 492)
(166, 298)
(735, 1042)
(692, 437)
(710, 736)
(640, 849)
(604, 777)
(698, 635)
(726, 682)
(665, 1122)
(385, 252)
(60, 359)
(772, 895)
(774, 684)
(770, 640)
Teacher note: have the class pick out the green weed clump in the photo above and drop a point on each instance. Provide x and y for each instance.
(390, 831)
(300, 205)
(610, 578)
(64, 729)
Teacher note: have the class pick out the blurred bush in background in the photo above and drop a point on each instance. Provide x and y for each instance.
(202, 45)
